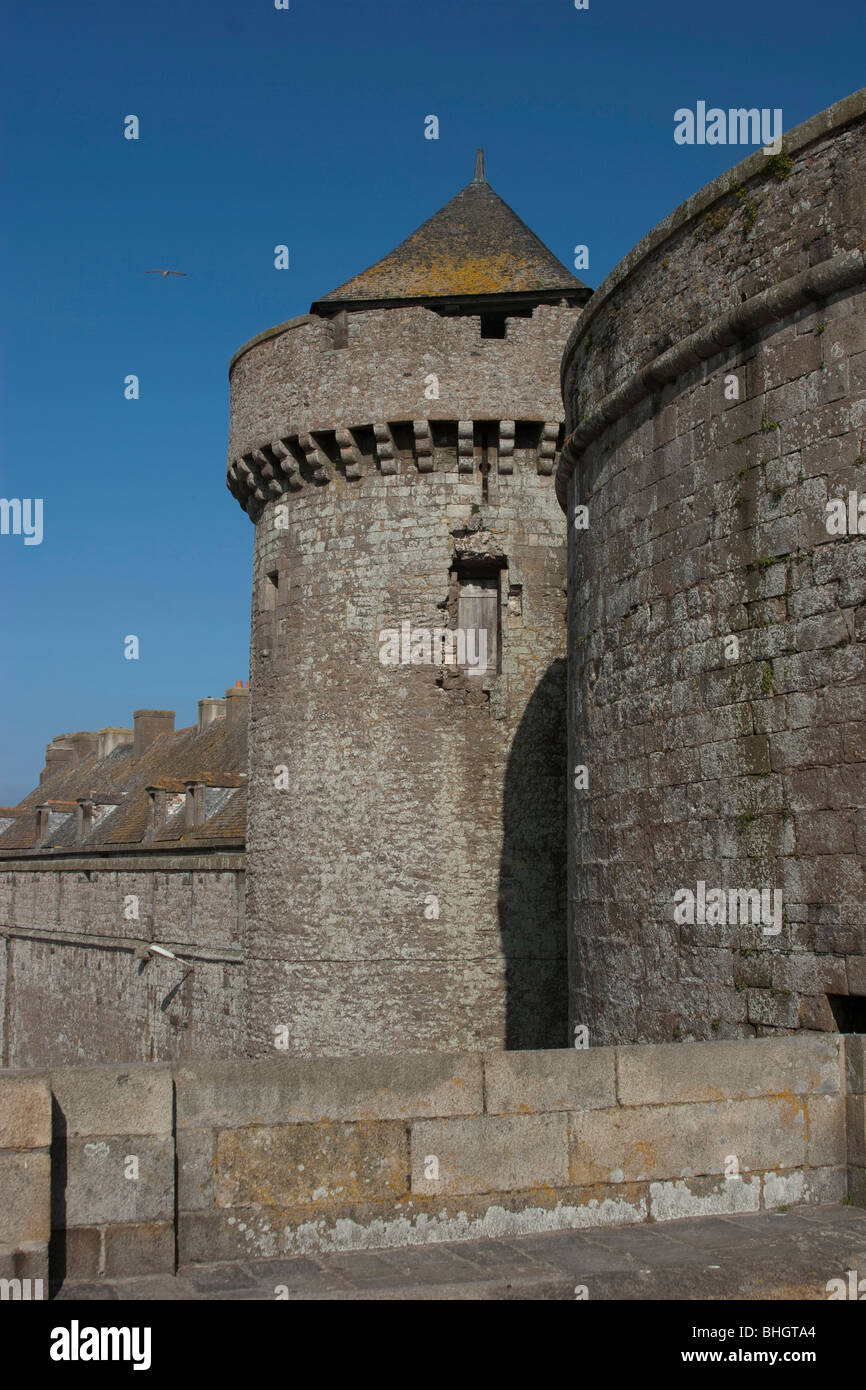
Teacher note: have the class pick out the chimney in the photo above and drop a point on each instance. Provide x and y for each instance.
(156, 797)
(83, 744)
(195, 805)
(237, 698)
(89, 809)
(59, 754)
(84, 818)
(43, 821)
(149, 724)
(44, 812)
(210, 709)
(158, 805)
(109, 739)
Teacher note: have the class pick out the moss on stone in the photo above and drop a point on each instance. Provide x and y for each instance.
(781, 166)
(749, 205)
(767, 679)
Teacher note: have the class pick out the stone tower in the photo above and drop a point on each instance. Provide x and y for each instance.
(396, 450)
(716, 404)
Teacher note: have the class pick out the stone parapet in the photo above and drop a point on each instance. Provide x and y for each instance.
(25, 1185)
(400, 364)
(283, 1156)
(700, 244)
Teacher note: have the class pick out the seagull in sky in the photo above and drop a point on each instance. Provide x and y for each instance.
(166, 273)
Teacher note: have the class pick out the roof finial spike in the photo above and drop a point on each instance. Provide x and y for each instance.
(479, 168)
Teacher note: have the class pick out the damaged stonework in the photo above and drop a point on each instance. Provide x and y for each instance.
(476, 542)
(477, 580)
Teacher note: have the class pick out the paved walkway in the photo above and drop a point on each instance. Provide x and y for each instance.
(773, 1255)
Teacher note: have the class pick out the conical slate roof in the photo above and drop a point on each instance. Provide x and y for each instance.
(474, 245)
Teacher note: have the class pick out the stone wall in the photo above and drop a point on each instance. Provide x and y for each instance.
(282, 1156)
(25, 1180)
(716, 399)
(405, 842)
(113, 1169)
(855, 1088)
(77, 982)
(293, 379)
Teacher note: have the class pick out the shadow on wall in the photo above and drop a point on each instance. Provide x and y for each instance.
(532, 872)
(59, 1181)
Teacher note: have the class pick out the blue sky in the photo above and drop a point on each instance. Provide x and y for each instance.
(303, 127)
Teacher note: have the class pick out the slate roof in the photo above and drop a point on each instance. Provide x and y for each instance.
(216, 757)
(475, 245)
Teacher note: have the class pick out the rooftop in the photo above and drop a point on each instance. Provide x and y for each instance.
(120, 783)
(475, 246)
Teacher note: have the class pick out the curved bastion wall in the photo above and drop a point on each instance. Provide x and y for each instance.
(406, 822)
(715, 391)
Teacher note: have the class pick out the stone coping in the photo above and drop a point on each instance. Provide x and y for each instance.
(123, 862)
(834, 117)
(818, 282)
(271, 333)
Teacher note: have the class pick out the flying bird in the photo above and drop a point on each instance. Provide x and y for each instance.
(166, 273)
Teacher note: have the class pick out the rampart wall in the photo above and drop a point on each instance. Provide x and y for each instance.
(715, 388)
(77, 981)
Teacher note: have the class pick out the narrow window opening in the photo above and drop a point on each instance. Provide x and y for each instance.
(494, 326)
(340, 330)
(269, 595)
(485, 467)
(849, 1011)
